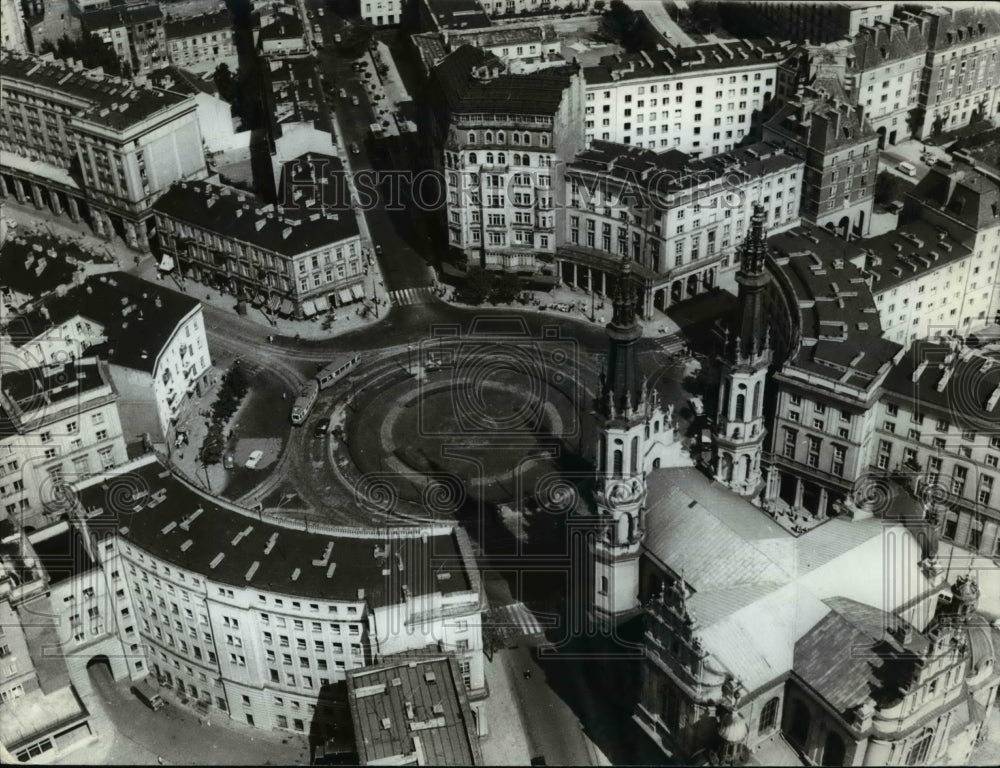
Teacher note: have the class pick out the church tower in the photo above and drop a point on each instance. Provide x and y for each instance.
(739, 426)
(634, 432)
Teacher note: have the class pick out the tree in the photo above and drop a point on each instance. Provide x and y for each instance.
(226, 83)
(477, 287)
(89, 49)
(888, 188)
(506, 288)
(213, 446)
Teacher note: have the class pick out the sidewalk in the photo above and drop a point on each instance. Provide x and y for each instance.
(506, 743)
(579, 303)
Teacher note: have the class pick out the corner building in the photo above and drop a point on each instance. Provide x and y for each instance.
(255, 620)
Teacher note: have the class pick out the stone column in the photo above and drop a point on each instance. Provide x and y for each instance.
(19, 191)
(3, 187)
(821, 512)
(99, 222)
(604, 283)
(798, 493)
(131, 237)
(57, 208)
(576, 274)
(74, 208)
(36, 196)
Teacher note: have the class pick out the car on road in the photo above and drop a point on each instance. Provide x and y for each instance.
(144, 692)
(906, 169)
(343, 93)
(321, 428)
(336, 37)
(354, 148)
(354, 100)
(254, 459)
(696, 405)
(378, 249)
(227, 461)
(894, 207)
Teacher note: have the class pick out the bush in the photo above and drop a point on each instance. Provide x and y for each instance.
(476, 289)
(213, 446)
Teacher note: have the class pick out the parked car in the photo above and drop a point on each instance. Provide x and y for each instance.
(343, 93)
(906, 168)
(894, 207)
(354, 148)
(354, 100)
(227, 460)
(378, 249)
(336, 37)
(254, 459)
(696, 405)
(321, 428)
(145, 693)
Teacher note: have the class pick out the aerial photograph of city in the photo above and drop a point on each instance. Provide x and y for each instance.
(499, 382)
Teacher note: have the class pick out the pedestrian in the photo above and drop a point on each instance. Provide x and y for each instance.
(527, 674)
(284, 395)
(159, 760)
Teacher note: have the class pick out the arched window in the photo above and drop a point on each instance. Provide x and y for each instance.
(656, 426)
(834, 750)
(634, 457)
(516, 138)
(489, 158)
(741, 401)
(768, 716)
(756, 400)
(618, 461)
(918, 752)
(472, 158)
(472, 137)
(647, 431)
(489, 137)
(527, 138)
(502, 158)
(500, 137)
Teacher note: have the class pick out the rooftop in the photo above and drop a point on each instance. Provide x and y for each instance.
(198, 25)
(240, 216)
(536, 93)
(34, 393)
(458, 14)
(821, 121)
(909, 252)
(413, 704)
(112, 17)
(658, 174)
(966, 190)
(137, 318)
(679, 62)
(841, 334)
(882, 44)
(151, 509)
(957, 25)
(960, 383)
(35, 264)
(63, 553)
(110, 101)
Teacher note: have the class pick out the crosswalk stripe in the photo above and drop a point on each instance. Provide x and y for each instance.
(517, 616)
(404, 296)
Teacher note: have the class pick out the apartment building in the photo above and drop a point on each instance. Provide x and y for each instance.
(12, 29)
(803, 22)
(202, 43)
(962, 67)
(134, 32)
(452, 15)
(296, 261)
(961, 197)
(231, 616)
(153, 340)
(840, 152)
(60, 424)
(831, 359)
(937, 433)
(700, 100)
(382, 13)
(678, 218)
(93, 146)
(501, 140)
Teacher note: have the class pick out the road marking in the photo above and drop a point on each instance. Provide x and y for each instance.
(516, 616)
(405, 296)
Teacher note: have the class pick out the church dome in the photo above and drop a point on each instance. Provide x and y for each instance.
(733, 727)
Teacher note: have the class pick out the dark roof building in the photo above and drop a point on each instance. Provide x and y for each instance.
(453, 14)
(412, 708)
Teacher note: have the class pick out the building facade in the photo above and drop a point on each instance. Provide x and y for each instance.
(501, 141)
(62, 424)
(840, 151)
(802, 22)
(382, 13)
(93, 146)
(678, 218)
(134, 32)
(202, 43)
(298, 260)
(12, 29)
(700, 100)
(234, 628)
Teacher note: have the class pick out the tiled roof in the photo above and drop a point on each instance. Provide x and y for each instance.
(138, 318)
(247, 552)
(967, 191)
(849, 656)
(422, 697)
(113, 102)
(240, 216)
(884, 44)
(678, 62)
(956, 25)
(536, 93)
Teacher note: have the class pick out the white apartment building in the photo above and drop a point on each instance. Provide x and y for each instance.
(679, 219)
(936, 431)
(153, 340)
(503, 139)
(700, 100)
(382, 13)
(61, 424)
(253, 619)
(202, 43)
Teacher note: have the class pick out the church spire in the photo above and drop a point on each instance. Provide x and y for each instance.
(748, 334)
(622, 389)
